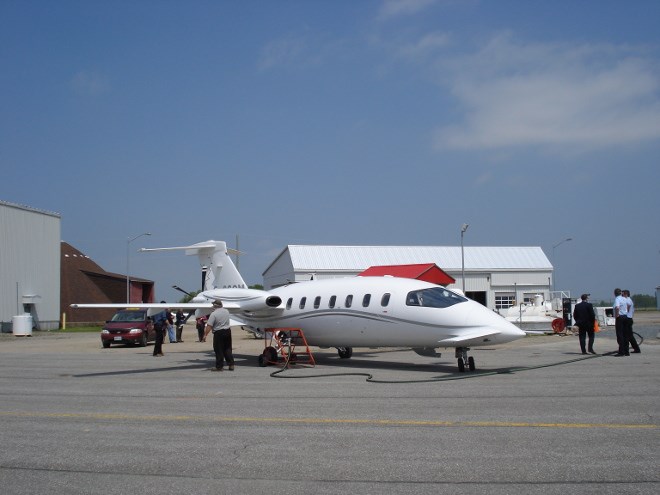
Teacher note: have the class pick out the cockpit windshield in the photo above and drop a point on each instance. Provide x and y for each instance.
(435, 297)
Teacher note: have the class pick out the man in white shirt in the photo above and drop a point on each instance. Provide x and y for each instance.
(218, 323)
(622, 324)
(631, 311)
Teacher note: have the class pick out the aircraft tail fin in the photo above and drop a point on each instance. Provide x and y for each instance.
(214, 255)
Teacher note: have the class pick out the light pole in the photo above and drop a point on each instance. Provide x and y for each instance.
(176, 287)
(553, 260)
(128, 266)
(463, 229)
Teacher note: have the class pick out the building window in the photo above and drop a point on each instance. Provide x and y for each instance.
(504, 300)
(349, 301)
(302, 303)
(317, 302)
(366, 300)
(530, 298)
(385, 300)
(332, 301)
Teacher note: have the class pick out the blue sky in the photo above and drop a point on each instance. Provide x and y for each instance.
(338, 122)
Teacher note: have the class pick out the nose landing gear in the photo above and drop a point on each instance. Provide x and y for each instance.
(463, 359)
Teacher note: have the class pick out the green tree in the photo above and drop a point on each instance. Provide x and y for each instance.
(643, 301)
(188, 298)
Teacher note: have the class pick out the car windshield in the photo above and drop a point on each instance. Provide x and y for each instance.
(435, 297)
(128, 316)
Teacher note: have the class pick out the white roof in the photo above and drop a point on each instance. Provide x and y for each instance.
(358, 258)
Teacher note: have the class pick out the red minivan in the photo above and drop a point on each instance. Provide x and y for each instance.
(128, 326)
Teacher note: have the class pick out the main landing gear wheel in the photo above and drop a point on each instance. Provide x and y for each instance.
(269, 356)
(461, 354)
(345, 352)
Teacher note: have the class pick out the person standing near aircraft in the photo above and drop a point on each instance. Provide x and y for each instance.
(160, 321)
(200, 323)
(585, 317)
(622, 324)
(631, 312)
(170, 327)
(218, 323)
(180, 320)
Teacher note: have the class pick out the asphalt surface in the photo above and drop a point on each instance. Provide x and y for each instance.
(536, 417)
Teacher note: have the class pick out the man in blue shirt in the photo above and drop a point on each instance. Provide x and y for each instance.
(160, 326)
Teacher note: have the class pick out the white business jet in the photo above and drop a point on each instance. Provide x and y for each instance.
(349, 312)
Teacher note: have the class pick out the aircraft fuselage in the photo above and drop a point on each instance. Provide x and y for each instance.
(381, 312)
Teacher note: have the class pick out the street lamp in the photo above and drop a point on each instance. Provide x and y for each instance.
(553, 259)
(463, 229)
(128, 266)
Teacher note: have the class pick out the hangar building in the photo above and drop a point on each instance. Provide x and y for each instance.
(84, 281)
(29, 266)
(497, 277)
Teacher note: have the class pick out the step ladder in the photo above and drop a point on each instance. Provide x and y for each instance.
(285, 347)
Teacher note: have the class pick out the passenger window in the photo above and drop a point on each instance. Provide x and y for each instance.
(385, 300)
(317, 302)
(366, 300)
(289, 303)
(349, 301)
(333, 300)
(302, 303)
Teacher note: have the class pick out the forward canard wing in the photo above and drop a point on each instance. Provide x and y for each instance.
(478, 336)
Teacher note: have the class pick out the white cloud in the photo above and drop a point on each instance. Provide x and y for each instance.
(89, 82)
(397, 8)
(425, 45)
(552, 94)
(281, 52)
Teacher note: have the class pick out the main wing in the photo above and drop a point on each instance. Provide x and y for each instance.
(234, 300)
(146, 305)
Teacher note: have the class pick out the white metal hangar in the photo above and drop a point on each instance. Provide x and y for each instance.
(498, 276)
(29, 267)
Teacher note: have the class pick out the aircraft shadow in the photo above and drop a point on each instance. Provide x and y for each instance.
(364, 362)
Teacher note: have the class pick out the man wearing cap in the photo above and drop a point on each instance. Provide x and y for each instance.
(585, 317)
(218, 323)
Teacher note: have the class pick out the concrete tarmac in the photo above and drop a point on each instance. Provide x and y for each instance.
(535, 417)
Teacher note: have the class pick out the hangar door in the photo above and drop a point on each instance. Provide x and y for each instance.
(477, 295)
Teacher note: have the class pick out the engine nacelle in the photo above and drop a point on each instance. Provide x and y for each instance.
(241, 299)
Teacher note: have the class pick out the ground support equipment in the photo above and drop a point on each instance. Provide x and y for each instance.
(280, 348)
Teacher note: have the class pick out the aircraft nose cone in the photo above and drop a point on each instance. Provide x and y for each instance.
(514, 331)
(507, 331)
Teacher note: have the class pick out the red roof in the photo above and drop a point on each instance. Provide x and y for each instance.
(83, 281)
(429, 272)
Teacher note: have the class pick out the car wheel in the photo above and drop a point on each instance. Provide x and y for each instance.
(105, 343)
(143, 340)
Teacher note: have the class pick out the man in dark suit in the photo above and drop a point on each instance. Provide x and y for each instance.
(585, 317)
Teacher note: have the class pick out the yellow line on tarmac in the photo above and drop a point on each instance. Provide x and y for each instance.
(316, 421)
